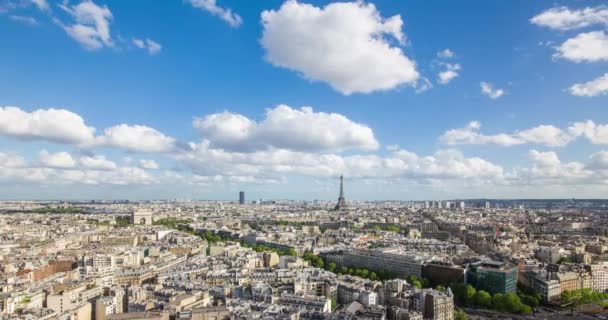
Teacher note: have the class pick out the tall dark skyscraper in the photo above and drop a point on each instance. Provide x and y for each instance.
(341, 201)
(242, 197)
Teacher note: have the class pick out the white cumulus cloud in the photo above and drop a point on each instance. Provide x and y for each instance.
(543, 134)
(41, 4)
(595, 133)
(91, 26)
(11, 160)
(471, 135)
(66, 127)
(56, 160)
(585, 47)
(548, 135)
(445, 54)
(147, 44)
(97, 163)
(346, 44)
(593, 88)
(136, 138)
(286, 128)
(489, 90)
(547, 165)
(211, 6)
(564, 18)
(148, 164)
(599, 160)
(450, 73)
(57, 125)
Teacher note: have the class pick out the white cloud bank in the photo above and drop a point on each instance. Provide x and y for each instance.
(548, 135)
(287, 142)
(445, 164)
(61, 168)
(325, 44)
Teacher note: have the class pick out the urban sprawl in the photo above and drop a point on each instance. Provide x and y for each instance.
(199, 260)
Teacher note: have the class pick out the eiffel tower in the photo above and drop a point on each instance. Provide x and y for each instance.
(341, 205)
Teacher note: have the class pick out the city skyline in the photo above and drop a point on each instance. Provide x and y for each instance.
(99, 101)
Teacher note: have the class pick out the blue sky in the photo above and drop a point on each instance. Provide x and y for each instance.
(369, 71)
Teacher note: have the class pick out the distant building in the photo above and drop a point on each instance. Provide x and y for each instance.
(541, 280)
(440, 273)
(599, 277)
(548, 254)
(492, 276)
(341, 200)
(435, 304)
(573, 280)
(385, 259)
(306, 303)
(242, 197)
(270, 259)
(105, 306)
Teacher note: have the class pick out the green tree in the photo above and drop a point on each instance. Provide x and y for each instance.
(417, 284)
(498, 302)
(529, 300)
(393, 228)
(331, 266)
(414, 281)
(525, 309)
(460, 315)
(319, 264)
(469, 295)
(483, 299)
(510, 302)
(373, 276)
(513, 303)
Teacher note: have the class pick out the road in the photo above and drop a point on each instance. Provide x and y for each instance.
(541, 314)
